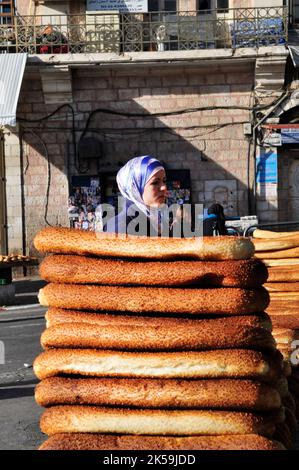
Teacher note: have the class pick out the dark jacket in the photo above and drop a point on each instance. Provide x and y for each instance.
(121, 224)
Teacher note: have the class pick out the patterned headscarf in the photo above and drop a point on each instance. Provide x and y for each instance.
(132, 178)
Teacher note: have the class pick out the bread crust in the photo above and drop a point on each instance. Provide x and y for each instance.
(283, 274)
(285, 336)
(282, 286)
(270, 234)
(229, 301)
(74, 269)
(285, 262)
(292, 253)
(158, 393)
(284, 296)
(231, 363)
(55, 316)
(80, 441)
(90, 419)
(199, 336)
(275, 245)
(81, 242)
(281, 306)
(287, 320)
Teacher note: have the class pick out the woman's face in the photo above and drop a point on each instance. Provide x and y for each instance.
(155, 190)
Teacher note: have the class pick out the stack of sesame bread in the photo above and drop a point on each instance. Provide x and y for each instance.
(156, 343)
(280, 251)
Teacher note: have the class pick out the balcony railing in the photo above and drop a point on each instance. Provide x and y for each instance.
(159, 31)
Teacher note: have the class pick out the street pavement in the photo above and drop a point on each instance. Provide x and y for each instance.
(21, 326)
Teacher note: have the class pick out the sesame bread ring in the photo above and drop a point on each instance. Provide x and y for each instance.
(283, 274)
(158, 393)
(93, 419)
(81, 242)
(55, 316)
(226, 301)
(229, 363)
(80, 441)
(192, 336)
(73, 269)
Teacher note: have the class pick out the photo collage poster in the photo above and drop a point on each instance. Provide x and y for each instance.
(178, 186)
(85, 201)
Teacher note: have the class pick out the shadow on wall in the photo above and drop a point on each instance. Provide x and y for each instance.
(187, 118)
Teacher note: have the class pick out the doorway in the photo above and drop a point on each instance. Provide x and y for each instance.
(288, 184)
(295, 12)
(294, 189)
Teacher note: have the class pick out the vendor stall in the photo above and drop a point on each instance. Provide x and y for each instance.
(7, 263)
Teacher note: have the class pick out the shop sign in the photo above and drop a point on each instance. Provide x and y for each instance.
(266, 166)
(273, 140)
(125, 6)
(267, 191)
(290, 136)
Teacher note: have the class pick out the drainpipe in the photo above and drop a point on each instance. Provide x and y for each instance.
(21, 133)
(3, 212)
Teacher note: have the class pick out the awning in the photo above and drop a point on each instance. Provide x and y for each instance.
(12, 68)
(294, 52)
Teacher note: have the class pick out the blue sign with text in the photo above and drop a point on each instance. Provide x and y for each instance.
(266, 166)
(290, 136)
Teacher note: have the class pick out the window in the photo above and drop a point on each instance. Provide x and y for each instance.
(6, 12)
(223, 5)
(161, 5)
(213, 5)
(204, 5)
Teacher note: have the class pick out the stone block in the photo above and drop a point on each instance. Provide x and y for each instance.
(215, 89)
(120, 82)
(262, 206)
(128, 94)
(137, 82)
(152, 82)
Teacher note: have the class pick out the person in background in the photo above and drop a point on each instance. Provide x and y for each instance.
(217, 210)
(142, 183)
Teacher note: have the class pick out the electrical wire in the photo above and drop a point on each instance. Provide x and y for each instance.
(48, 116)
(111, 132)
(48, 171)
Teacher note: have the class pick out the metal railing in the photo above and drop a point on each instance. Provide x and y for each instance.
(158, 31)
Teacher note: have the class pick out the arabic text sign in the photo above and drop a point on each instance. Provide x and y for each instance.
(126, 6)
(290, 136)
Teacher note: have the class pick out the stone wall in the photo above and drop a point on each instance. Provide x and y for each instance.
(208, 141)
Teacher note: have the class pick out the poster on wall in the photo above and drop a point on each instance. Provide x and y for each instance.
(178, 187)
(266, 166)
(85, 199)
(123, 6)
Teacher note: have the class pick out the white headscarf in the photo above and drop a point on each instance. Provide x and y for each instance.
(132, 178)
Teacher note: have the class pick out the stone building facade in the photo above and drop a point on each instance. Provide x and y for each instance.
(191, 109)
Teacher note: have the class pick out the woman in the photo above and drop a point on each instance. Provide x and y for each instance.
(142, 183)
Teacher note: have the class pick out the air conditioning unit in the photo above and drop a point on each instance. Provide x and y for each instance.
(103, 31)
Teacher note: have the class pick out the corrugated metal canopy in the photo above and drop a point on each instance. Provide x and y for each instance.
(12, 68)
(294, 52)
